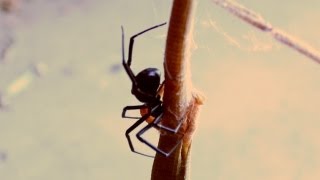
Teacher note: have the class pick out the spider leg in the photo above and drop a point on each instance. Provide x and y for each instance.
(161, 88)
(127, 64)
(146, 128)
(130, 129)
(134, 36)
(132, 108)
(172, 130)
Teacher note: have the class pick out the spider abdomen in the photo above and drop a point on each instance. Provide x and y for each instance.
(148, 81)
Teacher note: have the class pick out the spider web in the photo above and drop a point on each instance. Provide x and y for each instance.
(256, 20)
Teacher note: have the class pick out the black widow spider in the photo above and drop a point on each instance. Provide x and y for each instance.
(146, 88)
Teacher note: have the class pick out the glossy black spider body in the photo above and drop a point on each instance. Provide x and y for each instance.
(145, 87)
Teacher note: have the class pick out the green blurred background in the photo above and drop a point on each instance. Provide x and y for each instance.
(63, 89)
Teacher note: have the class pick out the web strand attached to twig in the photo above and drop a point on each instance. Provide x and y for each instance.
(259, 22)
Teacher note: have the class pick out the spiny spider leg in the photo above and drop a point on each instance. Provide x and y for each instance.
(132, 108)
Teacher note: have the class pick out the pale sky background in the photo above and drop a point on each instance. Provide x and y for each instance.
(260, 119)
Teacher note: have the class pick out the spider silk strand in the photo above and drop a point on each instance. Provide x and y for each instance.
(259, 22)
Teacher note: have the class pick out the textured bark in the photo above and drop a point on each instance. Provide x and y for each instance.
(181, 102)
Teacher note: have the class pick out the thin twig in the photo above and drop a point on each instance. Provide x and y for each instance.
(259, 22)
(181, 102)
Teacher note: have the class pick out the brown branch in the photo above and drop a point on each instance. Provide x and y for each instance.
(181, 102)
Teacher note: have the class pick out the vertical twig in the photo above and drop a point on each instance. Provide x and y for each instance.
(180, 101)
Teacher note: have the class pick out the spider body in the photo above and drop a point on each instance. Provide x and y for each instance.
(148, 81)
(147, 89)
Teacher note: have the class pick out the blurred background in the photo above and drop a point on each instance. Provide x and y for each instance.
(62, 90)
